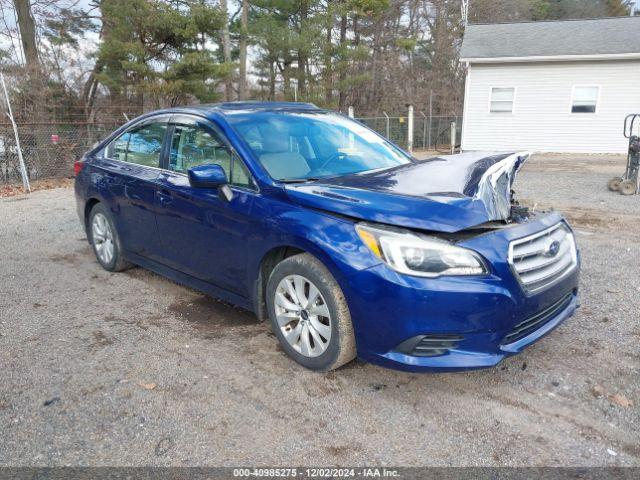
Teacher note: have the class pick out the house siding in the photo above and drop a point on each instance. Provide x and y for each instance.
(542, 119)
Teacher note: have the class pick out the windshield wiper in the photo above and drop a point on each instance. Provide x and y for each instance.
(299, 180)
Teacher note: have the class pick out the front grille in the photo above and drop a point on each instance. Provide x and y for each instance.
(542, 259)
(532, 324)
(432, 345)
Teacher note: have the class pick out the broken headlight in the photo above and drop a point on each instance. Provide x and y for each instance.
(422, 256)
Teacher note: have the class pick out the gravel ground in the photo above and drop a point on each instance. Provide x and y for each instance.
(132, 369)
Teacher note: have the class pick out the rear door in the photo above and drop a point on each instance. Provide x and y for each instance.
(204, 234)
(132, 164)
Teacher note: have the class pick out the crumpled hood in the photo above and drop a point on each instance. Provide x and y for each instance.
(445, 194)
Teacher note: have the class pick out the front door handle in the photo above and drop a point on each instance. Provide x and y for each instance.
(165, 198)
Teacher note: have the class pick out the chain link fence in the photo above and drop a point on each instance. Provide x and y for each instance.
(429, 133)
(50, 148)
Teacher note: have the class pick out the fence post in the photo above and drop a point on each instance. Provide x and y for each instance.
(456, 119)
(430, 114)
(387, 117)
(23, 168)
(351, 112)
(424, 130)
(410, 130)
(453, 137)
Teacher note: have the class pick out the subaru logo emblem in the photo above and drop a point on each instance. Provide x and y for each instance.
(553, 249)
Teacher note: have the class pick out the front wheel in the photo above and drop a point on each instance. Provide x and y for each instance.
(309, 314)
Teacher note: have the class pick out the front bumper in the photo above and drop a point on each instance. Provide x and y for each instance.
(388, 308)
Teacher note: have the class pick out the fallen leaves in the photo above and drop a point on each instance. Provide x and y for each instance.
(10, 190)
(617, 399)
(620, 400)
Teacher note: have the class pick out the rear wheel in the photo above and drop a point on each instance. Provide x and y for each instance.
(105, 240)
(628, 187)
(614, 184)
(309, 314)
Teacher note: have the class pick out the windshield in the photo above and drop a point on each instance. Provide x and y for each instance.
(305, 145)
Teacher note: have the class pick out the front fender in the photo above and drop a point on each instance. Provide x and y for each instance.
(331, 239)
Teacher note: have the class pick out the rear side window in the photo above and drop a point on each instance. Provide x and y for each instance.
(118, 148)
(141, 145)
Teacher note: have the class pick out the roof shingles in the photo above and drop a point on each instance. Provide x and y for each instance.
(605, 36)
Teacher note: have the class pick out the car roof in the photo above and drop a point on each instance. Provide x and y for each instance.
(229, 108)
(225, 109)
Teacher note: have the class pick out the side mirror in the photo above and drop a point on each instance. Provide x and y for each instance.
(207, 176)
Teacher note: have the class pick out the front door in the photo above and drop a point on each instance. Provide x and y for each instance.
(203, 233)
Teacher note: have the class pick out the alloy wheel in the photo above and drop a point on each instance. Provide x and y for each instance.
(303, 315)
(102, 238)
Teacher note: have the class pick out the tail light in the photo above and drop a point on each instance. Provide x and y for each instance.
(77, 166)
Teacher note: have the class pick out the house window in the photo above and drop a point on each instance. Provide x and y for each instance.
(584, 99)
(502, 99)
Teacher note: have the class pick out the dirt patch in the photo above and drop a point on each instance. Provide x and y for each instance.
(601, 219)
(596, 163)
(100, 340)
(142, 324)
(590, 218)
(320, 388)
(339, 450)
(68, 258)
(587, 218)
(210, 317)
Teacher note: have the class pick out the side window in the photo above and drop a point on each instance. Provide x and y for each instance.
(191, 146)
(118, 148)
(145, 144)
(141, 145)
(240, 175)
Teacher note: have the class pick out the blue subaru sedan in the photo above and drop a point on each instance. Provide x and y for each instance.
(343, 242)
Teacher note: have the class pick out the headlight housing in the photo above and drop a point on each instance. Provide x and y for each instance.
(422, 256)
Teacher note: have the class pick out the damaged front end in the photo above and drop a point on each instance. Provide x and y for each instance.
(464, 274)
(441, 194)
(494, 188)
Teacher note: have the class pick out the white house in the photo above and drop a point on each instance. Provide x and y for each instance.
(562, 86)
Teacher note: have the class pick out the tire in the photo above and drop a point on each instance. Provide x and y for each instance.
(628, 187)
(614, 184)
(328, 316)
(102, 232)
